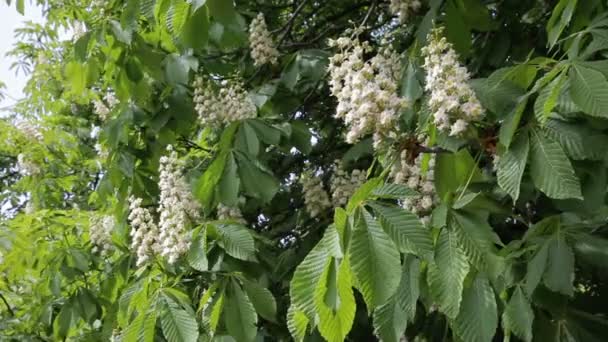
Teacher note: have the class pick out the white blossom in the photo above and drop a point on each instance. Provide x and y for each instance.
(344, 184)
(366, 90)
(227, 213)
(263, 50)
(231, 103)
(413, 176)
(95, 130)
(177, 208)
(452, 101)
(404, 8)
(144, 232)
(316, 198)
(102, 152)
(26, 166)
(30, 130)
(103, 109)
(100, 234)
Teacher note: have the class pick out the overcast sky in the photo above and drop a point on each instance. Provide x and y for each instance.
(10, 19)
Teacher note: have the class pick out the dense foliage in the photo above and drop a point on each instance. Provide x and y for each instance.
(309, 170)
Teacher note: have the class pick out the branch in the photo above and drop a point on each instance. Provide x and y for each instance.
(369, 13)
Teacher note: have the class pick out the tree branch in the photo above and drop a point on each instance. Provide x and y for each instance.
(8, 307)
(291, 21)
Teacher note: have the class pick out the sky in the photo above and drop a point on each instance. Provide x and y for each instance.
(10, 19)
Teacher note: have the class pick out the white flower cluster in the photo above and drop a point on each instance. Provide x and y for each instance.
(452, 101)
(404, 8)
(343, 184)
(316, 198)
(144, 232)
(366, 89)
(225, 212)
(100, 234)
(103, 109)
(26, 167)
(422, 181)
(262, 47)
(232, 103)
(30, 130)
(177, 208)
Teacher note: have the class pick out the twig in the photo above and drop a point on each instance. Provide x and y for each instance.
(369, 13)
(291, 21)
(8, 307)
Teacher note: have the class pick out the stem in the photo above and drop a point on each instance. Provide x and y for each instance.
(8, 307)
(291, 21)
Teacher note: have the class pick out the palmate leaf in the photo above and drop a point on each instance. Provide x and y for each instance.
(239, 314)
(551, 170)
(178, 324)
(335, 301)
(589, 90)
(391, 318)
(512, 165)
(406, 230)
(478, 317)
(447, 272)
(579, 141)
(518, 316)
(375, 260)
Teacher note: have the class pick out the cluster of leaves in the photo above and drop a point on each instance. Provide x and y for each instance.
(516, 247)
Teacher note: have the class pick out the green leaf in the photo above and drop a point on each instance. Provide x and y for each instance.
(195, 33)
(237, 241)
(394, 191)
(178, 324)
(335, 319)
(560, 18)
(362, 193)
(375, 261)
(230, 183)
(589, 90)
(406, 230)
(551, 170)
(262, 299)
(453, 171)
(296, 323)
(357, 151)
(536, 269)
(547, 98)
(518, 316)
(447, 272)
(477, 238)
(206, 183)
(391, 318)
(579, 141)
(300, 137)
(512, 165)
(511, 122)
(478, 317)
(307, 275)
(239, 314)
(559, 273)
(257, 181)
(247, 140)
(197, 255)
